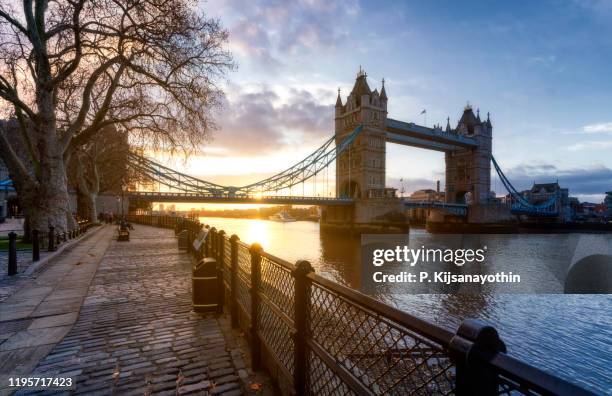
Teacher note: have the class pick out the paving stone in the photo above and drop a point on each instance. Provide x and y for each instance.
(200, 386)
(136, 325)
(35, 337)
(224, 388)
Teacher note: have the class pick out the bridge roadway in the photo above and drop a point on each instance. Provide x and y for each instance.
(152, 196)
(241, 199)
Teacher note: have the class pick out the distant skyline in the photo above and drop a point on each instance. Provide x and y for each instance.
(541, 68)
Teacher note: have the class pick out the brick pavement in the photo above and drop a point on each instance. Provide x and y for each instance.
(137, 334)
(27, 270)
(42, 308)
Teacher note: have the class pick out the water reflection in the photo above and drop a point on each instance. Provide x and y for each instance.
(567, 335)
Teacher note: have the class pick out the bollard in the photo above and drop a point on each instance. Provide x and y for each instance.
(233, 285)
(300, 318)
(470, 349)
(12, 263)
(35, 246)
(255, 286)
(51, 244)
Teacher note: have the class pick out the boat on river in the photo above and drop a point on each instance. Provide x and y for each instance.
(282, 217)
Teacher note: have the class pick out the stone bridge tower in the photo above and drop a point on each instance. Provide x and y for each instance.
(468, 171)
(360, 171)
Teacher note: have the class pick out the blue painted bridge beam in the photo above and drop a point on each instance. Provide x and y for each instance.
(452, 208)
(436, 137)
(243, 199)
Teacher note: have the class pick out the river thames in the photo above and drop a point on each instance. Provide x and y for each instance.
(566, 335)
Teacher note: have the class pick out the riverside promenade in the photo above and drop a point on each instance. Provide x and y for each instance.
(117, 318)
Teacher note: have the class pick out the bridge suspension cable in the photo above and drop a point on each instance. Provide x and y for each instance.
(300, 172)
(520, 204)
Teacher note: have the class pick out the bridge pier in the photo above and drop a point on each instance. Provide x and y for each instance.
(480, 218)
(366, 216)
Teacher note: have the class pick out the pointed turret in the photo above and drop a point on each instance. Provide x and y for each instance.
(383, 92)
(468, 121)
(489, 120)
(339, 106)
(448, 127)
(361, 86)
(478, 116)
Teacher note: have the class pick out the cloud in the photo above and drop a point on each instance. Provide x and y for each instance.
(271, 30)
(580, 181)
(250, 38)
(591, 145)
(258, 122)
(604, 127)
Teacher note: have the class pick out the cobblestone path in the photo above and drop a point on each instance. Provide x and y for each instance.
(136, 332)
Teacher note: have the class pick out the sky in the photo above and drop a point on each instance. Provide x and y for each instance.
(541, 68)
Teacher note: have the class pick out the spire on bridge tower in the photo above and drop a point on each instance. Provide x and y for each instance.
(448, 127)
(478, 115)
(339, 99)
(383, 92)
(489, 120)
(361, 72)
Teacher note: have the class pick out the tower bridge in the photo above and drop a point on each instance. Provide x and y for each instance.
(358, 150)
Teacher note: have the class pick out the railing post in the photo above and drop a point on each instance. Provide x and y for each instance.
(255, 281)
(220, 246)
(51, 242)
(470, 349)
(213, 241)
(12, 254)
(233, 285)
(35, 246)
(301, 319)
(207, 243)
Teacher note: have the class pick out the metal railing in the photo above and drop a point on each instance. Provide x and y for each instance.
(317, 337)
(222, 197)
(17, 260)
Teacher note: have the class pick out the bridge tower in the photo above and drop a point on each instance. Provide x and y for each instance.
(360, 171)
(468, 170)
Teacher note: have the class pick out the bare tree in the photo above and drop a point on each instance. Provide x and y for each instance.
(69, 68)
(101, 166)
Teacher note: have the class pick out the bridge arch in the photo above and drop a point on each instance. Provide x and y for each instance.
(460, 197)
(350, 189)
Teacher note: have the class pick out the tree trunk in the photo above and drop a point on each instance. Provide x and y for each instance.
(47, 203)
(92, 204)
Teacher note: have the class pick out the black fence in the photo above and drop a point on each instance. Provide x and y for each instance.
(317, 337)
(18, 260)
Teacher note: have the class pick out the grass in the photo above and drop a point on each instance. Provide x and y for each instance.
(4, 245)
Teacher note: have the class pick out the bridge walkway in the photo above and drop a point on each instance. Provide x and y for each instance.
(136, 332)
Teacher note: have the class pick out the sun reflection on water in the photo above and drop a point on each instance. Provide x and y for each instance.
(257, 231)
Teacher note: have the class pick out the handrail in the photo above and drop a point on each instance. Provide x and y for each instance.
(435, 333)
(340, 340)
